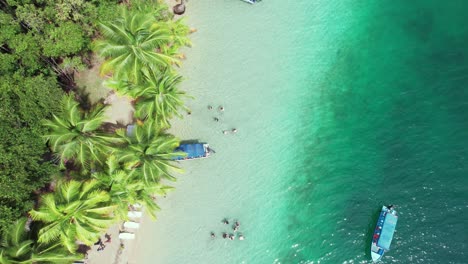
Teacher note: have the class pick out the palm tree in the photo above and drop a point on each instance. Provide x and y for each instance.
(158, 96)
(123, 86)
(126, 188)
(75, 211)
(132, 43)
(18, 247)
(74, 135)
(150, 152)
(179, 32)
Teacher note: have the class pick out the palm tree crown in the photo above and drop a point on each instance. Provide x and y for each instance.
(179, 33)
(158, 96)
(75, 211)
(17, 246)
(126, 188)
(74, 134)
(150, 152)
(133, 43)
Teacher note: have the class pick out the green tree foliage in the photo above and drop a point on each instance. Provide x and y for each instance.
(35, 31)
(158, 96)
(75, 135)
(179, 33)
(42, 43)
(139, 49)
(75, 211)
(149, 152)
(25, 101)
(63, 40)
(18, 246)
(126, 188)
(130, 45)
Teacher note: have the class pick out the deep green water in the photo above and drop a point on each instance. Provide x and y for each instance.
(341, 106)
(390, 128)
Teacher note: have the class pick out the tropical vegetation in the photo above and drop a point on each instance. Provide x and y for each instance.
(133, 45)
(56, 155)
(75, 211)
(25, 102)
(158, 96)
(74, 134)
(125, 187)
(149, 151)
(139, 52)
(19, 246)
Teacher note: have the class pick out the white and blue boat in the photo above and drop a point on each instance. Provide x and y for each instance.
(383, 233)
(251, 1)
(193, 151)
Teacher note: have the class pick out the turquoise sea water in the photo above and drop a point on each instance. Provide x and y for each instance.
(341, 106)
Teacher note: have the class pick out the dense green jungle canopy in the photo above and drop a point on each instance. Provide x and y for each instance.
(42, 43)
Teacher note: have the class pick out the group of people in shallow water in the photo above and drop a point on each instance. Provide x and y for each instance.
(221, 109)
(230, 236)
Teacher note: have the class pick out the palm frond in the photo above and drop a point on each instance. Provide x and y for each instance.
(67, 212)
(131, 44)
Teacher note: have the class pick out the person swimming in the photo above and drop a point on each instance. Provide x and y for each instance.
(212, 235)
(225, 221)
(236, 228)
(237, 223)
(231, 236)
(241, 237)
(221, 108)
(225, 235)
(210, 107)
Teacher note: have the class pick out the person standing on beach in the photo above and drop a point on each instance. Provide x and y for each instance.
(98, 242)
(108, 238)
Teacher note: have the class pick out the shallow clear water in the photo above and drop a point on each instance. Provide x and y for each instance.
(340, 106)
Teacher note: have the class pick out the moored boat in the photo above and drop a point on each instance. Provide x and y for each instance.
(251, 1)
(193, 151)
(383, 232)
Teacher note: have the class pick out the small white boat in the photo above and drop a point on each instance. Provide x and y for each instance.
(251, 1)
(193, 151)
(383, 233)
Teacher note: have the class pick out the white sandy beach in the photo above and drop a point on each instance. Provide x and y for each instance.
(243, 180)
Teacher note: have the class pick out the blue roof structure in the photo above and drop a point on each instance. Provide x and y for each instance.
(388, 229)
